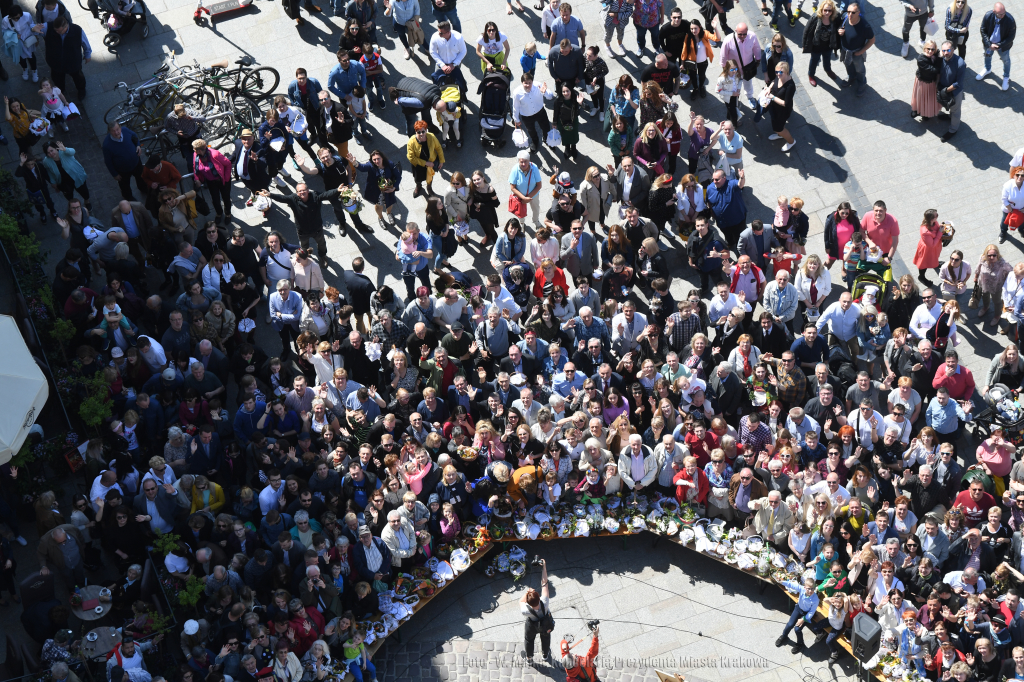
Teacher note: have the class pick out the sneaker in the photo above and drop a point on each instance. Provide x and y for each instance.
(981, 74)
(774, 26)
(24, 75)
(752, 102)
(608, 48)
(639, 52)
(792, 19)
(600, 117)
(905, 50)
(795, 648)
(920, 44)
(820, 637)
(739, 117)
(458, 144)
(833, 657)
(789, 145)
(774, 136)
(780, 641)
(21, 541)
(35, 76)
(593, 111)
(1006, 84)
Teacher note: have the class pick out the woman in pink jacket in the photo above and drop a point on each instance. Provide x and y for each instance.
(929, 247)
(213, 170)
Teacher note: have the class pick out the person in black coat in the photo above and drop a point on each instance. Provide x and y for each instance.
(920, 367)
(727, 389)
(360, 289)
(651, 265)
(820, 40)
(251, 169)
(832, 245)
(309, 222)
(516, 362)
(769, 337)
(961, 551)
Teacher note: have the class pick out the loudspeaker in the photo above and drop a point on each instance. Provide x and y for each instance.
(866, 636)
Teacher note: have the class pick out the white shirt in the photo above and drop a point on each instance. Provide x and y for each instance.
(157, 522)
(823, 284)
(155, 358)
(528, 103)
(451, 51)
(838, 499)
(539, 252)
(955, 579)
(1013, 197)
(718, 308)
(627, 186)
(863, 428)
(905, 428)
(492, 47)
(924, 318)
(503, 300)
(100, 490)
(214, 278)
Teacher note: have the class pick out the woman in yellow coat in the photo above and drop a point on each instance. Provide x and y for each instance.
(206, 496)
(426, 157)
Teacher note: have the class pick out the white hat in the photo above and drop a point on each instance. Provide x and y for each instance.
(191, 627)
(523, 155)
(518, 379)
(116, 352)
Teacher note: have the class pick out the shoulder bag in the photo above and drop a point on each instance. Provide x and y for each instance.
(546, 623)
(749, 70)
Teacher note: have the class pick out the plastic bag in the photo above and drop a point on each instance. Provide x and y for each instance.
(520, 138)
(554, 138)
(931, 27)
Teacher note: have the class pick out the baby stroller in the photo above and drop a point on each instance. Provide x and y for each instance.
(119, 17)
(1002, 408)
(870, 278)
(493, 93)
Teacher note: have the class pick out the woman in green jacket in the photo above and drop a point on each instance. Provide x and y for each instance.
(620, 138)
(64, 172)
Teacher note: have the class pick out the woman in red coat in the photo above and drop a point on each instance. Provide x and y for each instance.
(929, 246)
(691, 483)
(549, 272)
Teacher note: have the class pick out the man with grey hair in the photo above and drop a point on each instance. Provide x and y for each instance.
(890, 551)
(400, 537)
(798, 424)
(967, 581)
(493, 336)
(924, 491)
(203, 557)
(638, 467)
(59, 672)
(220, 577)
(773, 519)
(727, 389)
(323, 595)
(529, 407)
(669, 455)
(586, 326)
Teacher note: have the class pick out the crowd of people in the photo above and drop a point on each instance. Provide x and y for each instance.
(302, 478)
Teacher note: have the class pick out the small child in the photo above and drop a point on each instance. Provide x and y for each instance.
(853, 253)
(53, 104)
(551, 491)
(822, 563)
(729, 85)
(781, 220)
(529, 59)
(449, 115)
(591, 483)
(357, 658)
(874, 334)
(450, 525)
(800, 541)
(356, 101)
(408, 247)
(374, 65)
(277, 382)
(785, 261)
(434, 506)
(426, 546)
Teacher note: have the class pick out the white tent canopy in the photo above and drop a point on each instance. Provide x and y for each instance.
(23, 389)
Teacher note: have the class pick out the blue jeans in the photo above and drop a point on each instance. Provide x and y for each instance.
(357, 671)
(436, 243)
(816, 58)
(780, 6)
(641, 36)
(794, 618)
(1004, 57)
(447, 15)
(830, 641)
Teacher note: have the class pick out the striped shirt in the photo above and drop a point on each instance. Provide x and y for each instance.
(187, 126)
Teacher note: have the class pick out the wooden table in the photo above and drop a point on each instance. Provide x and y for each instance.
(108, 638)
(92, 592)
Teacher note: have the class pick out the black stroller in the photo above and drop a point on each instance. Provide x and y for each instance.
(493, 93)
(119, 18)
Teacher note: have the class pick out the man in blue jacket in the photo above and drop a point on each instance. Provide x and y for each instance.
(246, 419)
(998, 29)
(345, 76)
(725, 199)
(951, 79)
(121, 154)
(304, 92)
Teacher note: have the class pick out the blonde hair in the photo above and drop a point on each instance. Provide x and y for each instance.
(953, 12)
(831, 5)
(812, 257)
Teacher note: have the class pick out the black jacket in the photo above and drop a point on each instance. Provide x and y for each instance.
(922, 379)
(308, 219)
(1007, 29)
(960, 554)
(360, 288)
(832, 245)
(928, 68)
(775, 342)
(820, 38)
(64, 54)
(259, 177)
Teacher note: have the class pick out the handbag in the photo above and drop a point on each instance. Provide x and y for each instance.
(200, 201)
(521, 140)
(749, 70)
(516, 206)
(975, 296)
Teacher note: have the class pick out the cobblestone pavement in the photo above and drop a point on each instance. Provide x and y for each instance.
(856, 149)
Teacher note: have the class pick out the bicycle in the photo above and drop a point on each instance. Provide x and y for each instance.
(147, 102)
(243, 80)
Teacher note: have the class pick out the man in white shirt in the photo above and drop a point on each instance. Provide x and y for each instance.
(527, 405)
(723, 303)
(448, 49)
(500, 297)
(838, 496)
(925, 315)
(528, 108)
(867, 424)
(626, 327)
(102, 485)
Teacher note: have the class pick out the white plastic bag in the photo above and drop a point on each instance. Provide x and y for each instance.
(520, 138)
(931, 27)
(554, 138)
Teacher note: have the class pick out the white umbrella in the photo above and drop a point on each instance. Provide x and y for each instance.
(23, 389)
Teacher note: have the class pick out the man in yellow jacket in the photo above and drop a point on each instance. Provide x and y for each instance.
(426, 157)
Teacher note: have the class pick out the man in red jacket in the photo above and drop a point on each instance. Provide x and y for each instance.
(580, 668)
(956, 378)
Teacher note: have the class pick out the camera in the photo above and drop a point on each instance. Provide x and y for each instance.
(537, 561)
(592, 624)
